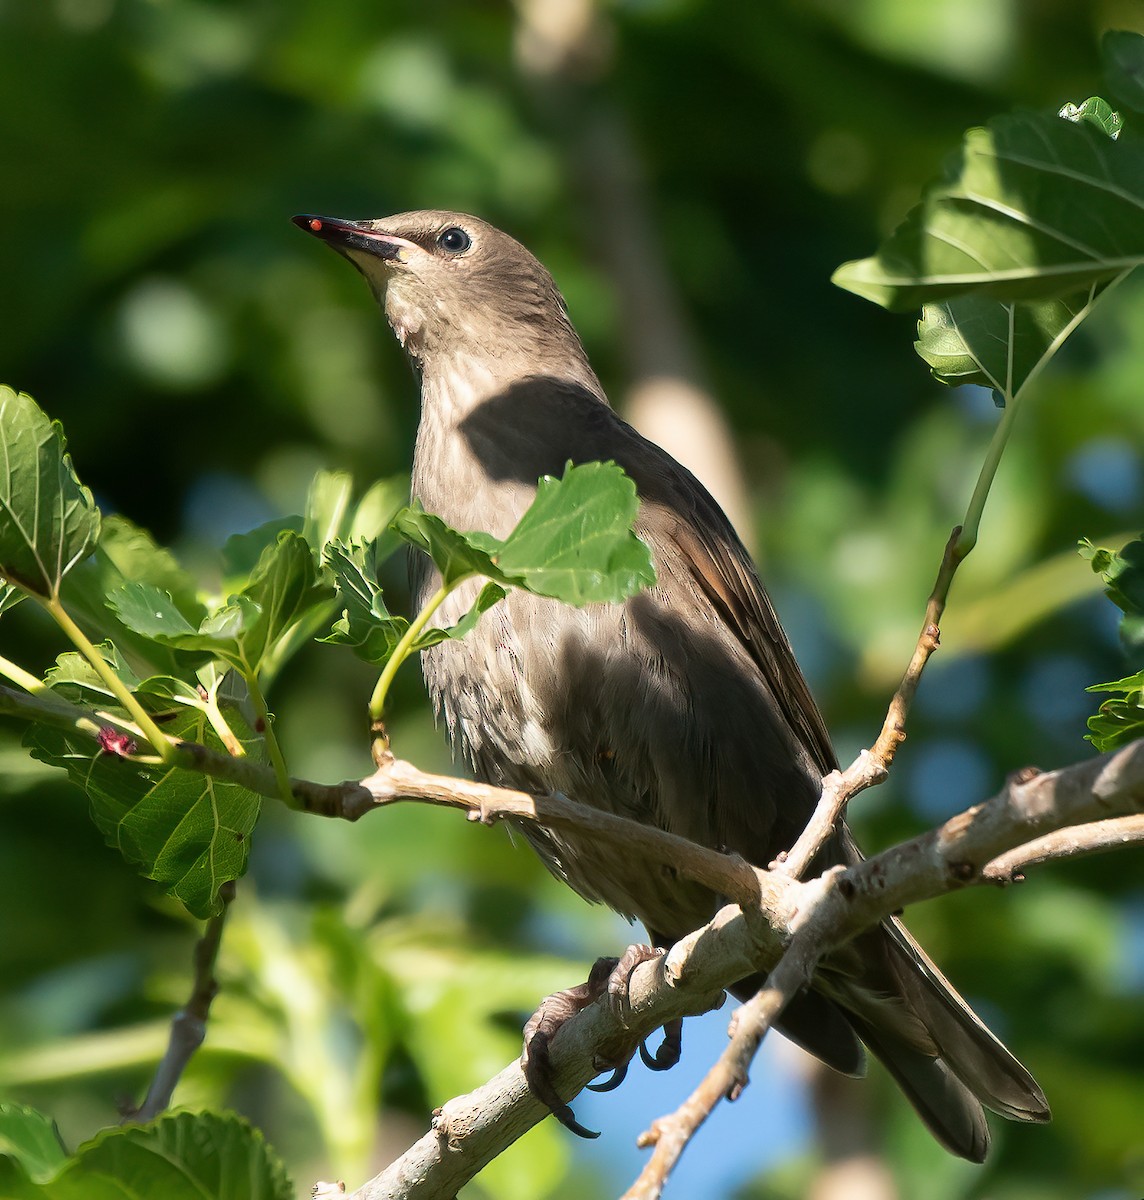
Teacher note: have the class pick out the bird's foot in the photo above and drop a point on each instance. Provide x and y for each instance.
(543, 1026)
(610, 977)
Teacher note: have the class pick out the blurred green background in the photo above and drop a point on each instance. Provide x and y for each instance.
(691, 171)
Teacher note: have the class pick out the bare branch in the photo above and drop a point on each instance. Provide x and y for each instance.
(1094, 838)
(813, 918)
(872, 766)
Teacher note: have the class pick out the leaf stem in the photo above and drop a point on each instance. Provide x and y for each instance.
(969, 527)
(159, 741)
(264, 726)
(210, 707)
(405, 647)
(22, 678)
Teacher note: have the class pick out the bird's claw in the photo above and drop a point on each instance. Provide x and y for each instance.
(611, 977)
(669, 1050)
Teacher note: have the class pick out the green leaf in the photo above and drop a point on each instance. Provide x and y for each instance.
(1121, 720)
(284, 589)
(127, 554)
(1118, 721)
(366, 624)
(9, 597)
(286, 586)
(151, 612)
(575, 543)
(32, 1140)
(48, 519)
(374, 512)
(1123, 55)
(972, 339)
(327, 507)
(456, 555)
(184, 1156)
(1033, 207)
(185, 830)
(1122, 571)
(242, 552)
(77, 679)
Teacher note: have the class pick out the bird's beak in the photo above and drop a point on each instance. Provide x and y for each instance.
(348, 236)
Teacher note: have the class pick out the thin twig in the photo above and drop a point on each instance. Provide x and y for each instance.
(1097, 837)
(189, 1024)
(872, 766)
(730, 1074)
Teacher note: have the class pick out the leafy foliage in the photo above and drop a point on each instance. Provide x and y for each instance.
(49, 520)
(1034, 207)
(1121, 720)
(209, 363)
(998, 345)
(186, 1156)
(187, 831)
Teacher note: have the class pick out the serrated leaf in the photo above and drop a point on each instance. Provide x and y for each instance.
(1123, 573)
(32, 1140)
(1118, 722)
(48, 519)
(242, 552)
(1130, 683)
(575, 543)
(188, 832)
(284, 589)
(183, 1156)
(128, 554)
(9, 597)
(286, 586)
(1123, 56)
(973, 339)
(76, 677)
(1033, 207)
(366, 624)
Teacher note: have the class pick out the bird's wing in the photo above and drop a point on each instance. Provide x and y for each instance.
(723, 570)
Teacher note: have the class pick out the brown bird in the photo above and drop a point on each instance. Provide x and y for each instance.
(682, 708)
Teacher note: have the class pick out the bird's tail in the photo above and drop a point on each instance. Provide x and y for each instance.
(941, 1054)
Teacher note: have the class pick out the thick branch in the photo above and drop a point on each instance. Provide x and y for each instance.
(814, 917)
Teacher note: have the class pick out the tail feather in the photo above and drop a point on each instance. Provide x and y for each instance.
(963, 1040)
(940, 1052)
(951, 1112)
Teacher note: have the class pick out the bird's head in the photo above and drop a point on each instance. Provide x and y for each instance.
(451, 283)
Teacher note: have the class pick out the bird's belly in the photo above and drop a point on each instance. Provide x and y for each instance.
(546, 698)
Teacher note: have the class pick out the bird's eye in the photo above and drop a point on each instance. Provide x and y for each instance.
(455, 240)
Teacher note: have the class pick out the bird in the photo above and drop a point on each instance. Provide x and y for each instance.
(682, 707)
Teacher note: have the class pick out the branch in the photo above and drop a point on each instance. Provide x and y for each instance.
(777, 911)
(872, 766)
(810, 918)
(189, 1024)
(1094, 838)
